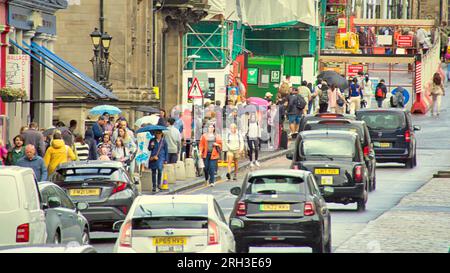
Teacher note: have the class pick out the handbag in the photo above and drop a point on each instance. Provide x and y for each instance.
(153, 159)
(340, 102)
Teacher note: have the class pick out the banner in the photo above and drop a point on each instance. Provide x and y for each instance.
(18, 72)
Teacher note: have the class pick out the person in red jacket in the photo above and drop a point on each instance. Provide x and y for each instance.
(210, 149)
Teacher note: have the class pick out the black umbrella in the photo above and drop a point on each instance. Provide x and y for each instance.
(148, 109)
(331, 77)
(51, 131)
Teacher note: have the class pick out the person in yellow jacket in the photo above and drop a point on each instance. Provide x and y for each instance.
(57, 153)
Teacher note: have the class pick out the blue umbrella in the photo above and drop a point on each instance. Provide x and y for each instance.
(151, 128)
(99, 110)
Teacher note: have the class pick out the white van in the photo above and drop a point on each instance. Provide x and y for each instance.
(22, 221)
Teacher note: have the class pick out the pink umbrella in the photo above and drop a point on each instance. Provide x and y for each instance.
(257, 101)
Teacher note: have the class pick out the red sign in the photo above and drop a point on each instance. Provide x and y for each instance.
(195, 92)
(405, 41)
(353, 70)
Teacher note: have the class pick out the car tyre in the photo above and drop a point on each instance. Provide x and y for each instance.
(86, 240)
(242, 248)
(374, 183)
(319, 247)
(328, 247)
(415, 160)
(361, 203)
(410, 163)
(57, 238)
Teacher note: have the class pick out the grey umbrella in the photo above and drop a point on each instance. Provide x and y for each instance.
(331, 77)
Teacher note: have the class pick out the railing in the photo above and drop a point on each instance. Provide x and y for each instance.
(431, 61)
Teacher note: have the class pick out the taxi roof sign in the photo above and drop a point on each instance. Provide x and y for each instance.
(195, 92)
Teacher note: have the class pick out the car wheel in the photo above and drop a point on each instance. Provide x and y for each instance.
(415, 160)
(319, 247)
(57, 238)
(328, 247)
(361, 203)
(85, 237)
(410, 163)
(374, 183)
(242, 248)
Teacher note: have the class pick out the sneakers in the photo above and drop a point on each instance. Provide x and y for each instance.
(252, 165)
(228, 176)
(211, 185)
(257, 164)
(234, 177)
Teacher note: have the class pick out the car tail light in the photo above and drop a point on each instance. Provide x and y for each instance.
(125, 236)
(120, 186)
(213, 233)
(366, 151)
(241, 209)
(23, 233)
(123, 209)
(408, 136)
(309, 209)
(357, 175)
(295, 167)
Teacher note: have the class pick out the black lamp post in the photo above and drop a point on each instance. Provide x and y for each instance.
(100, 61)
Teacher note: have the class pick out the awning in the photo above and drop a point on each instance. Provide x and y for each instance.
(66, 71)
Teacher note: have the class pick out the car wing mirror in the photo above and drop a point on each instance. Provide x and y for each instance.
(81, 206)
(236, 191)
(327, 191)
(117, 225)
(236, 223)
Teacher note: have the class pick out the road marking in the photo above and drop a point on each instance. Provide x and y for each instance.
(205, 187)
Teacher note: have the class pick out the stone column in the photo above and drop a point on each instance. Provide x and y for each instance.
(46, 114)
(26, 107)
(384, 5)
(38, 72)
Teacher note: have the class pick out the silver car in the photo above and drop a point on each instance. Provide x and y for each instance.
(65, 223)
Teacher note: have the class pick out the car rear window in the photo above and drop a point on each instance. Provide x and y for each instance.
(9, 199)
(275, 185)
(86, 174)
(383, 120)
(171, 209)
(335, 126)
(328, 147)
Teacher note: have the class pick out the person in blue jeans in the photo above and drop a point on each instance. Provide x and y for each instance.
(159, 154)
(210, 148)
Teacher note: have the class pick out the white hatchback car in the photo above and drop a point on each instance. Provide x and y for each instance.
(22, 221)
(174, 223)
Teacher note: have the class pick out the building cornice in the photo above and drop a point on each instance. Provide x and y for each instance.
(49, 6)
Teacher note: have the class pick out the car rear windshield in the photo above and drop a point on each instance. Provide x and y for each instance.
(171, 209)
(9, 199)
(328, 147)
(275, 185)
(384, 120)
(88, 174)
(336, 127)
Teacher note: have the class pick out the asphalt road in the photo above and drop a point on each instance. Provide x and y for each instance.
(394, 181)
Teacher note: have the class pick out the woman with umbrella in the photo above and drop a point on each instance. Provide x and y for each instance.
(159, 156)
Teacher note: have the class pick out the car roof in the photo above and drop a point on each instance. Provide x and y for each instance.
(158, 199)
(325, 132)
(44, 184)
(286, 172)
(91, 164)
(395, 110)
(13, 170)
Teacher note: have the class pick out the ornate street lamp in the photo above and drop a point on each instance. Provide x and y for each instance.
(100, 61)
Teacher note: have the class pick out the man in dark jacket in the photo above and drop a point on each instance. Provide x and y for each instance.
(90, 140)
(34, 137)
(31, 160)
(98, 128)
(380, 93)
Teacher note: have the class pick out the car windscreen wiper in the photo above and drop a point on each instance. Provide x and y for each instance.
(96, 178)
(267, 192)
(322, 155)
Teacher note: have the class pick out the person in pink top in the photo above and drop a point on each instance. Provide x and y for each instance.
(3, 153)
(335, 99)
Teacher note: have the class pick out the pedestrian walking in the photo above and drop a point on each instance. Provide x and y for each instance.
(109, 124)
(81, 148)
(16, 152)
(368, 90)
(120, 152)
(294, 110)
(90, 140)
(210, 148)
(234, 143)
(35, 162)
(436, 91)
(173, 138)
(285, 86)
(129, 142)
(107, 143)
(253, 134)
(323, 97)
(98, 129)
(34, 137)
(380, 93)
(57, 153)
(162, 118)
(273, 126)
(306, 95)
(159, 155)
(179, 122)
(336, 100)
(268, 97)
(356, 96)
(3, 153)
(122, 124)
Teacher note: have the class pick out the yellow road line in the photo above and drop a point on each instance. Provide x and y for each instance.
(204, 187)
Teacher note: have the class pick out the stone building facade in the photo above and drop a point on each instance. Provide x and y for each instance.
(130, 23)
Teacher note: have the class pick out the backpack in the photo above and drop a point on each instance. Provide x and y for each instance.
(323, 98)
(301, 103)
(379, 93)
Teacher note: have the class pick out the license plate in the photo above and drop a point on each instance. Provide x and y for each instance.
(84, 192)
(382, 144)
(169, 249)
(326, 180)
(270, 207)
(326, 171)
(169, 241)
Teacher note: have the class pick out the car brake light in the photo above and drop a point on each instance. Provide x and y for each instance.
(366, 151)
(408, 136)
(213, 233)
(329, 115)
(358, 174)
(241, 209)
(23, 233)
(125, 236)
(309, 209)
(120, 186)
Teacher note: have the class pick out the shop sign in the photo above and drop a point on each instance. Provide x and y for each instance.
(353, 70)
(18, 72)
(252, 76)
(405, 41)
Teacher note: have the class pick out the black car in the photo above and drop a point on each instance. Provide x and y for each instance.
(322, 116)
(336, 160)
(392, 133)
(104, 185)
(280, 207)
(362, 130)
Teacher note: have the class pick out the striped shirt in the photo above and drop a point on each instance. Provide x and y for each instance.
(81, 151)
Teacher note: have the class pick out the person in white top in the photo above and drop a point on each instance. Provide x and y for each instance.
(253, 136)
(366, 85)
(234, 143)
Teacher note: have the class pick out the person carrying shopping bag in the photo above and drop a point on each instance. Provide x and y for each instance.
(210, 148)
(159, 154)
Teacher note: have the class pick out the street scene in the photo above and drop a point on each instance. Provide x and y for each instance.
(223, 126)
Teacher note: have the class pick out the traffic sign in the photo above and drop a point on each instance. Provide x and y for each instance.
(195, 92)
(405, 41)
(352, 70)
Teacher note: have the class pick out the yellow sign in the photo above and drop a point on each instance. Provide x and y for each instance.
(84, 192)
(327, 180)
(156, 90)
(169, 241)
(270, 207)
(326, 171)
(341, 23)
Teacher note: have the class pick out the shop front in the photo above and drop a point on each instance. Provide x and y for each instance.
(4, 30)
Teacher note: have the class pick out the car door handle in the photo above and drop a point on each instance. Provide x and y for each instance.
(59, 214)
